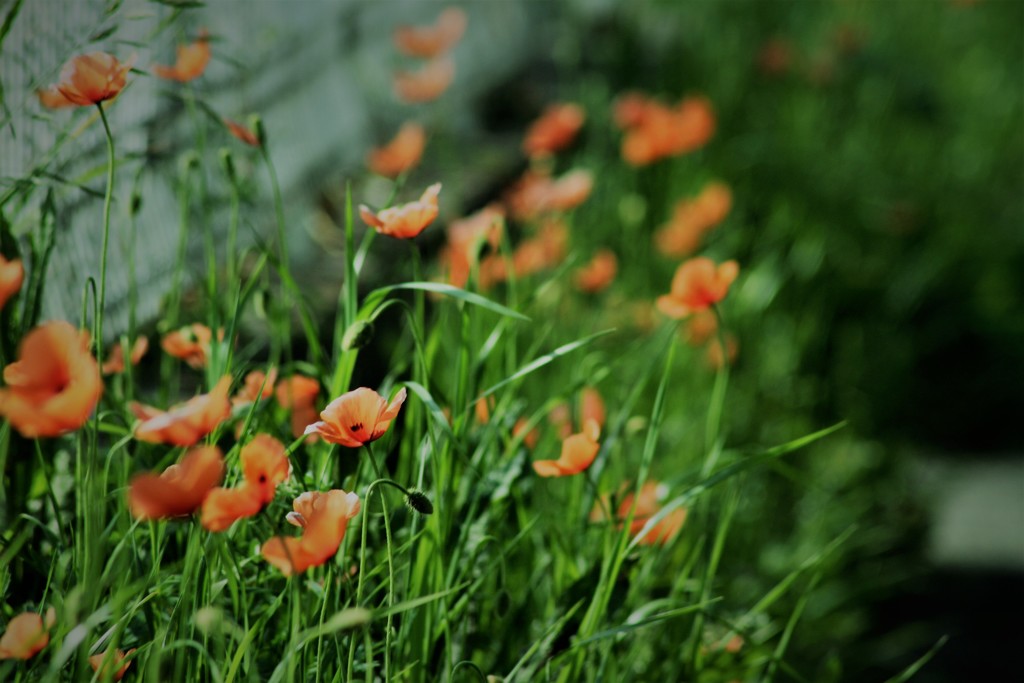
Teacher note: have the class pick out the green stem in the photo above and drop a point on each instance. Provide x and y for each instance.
(111, 165)
(713, 425)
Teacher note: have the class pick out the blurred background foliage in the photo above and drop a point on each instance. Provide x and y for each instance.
(875, 151)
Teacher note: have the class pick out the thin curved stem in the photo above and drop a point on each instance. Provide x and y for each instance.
(111, 164)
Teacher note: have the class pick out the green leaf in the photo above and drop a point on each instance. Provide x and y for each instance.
(456, 293)
(538, 363)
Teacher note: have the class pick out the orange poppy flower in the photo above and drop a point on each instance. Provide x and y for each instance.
(191, 344)
(117, 663)
(546, 250)
(180, 489)
(405, 221)
(537, 193)
(554, 130)
(191, 62)
(87, 79)
(187, 423)
(357, 418)
(242, 133)
(298, 394)
(647, 505)
(464, 238)
(427, 83)
(401, 154)
(296, 390)
(692, 218)
(631, 109)
(324, 519)
(11, 275)
(114, 364)
(599, 273)
(26, 635)
(258, 385)
(578, 452)
(655, 131)
(54, 385)
(431, 41)
(265, 465)
(697, 284)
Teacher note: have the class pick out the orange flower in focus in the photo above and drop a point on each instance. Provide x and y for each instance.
(86, 79)
(191, 62)
(655, 131)
(401, 154)
(180, 489)
(265, 465)
(427, 83)
(578, 452)
(242, 133)
(26, 635)
(647, 505)
(554, 130)
(115, 360)
(324, 519)
(258, 385)
(54, 385)
(11, 275)
(692, 218)
(187, 423)
(597, 275)
(191, 344)
(435, 40)
(697, 284)
(537, 193)
(405, 221)
(96, 661)
(357, 418)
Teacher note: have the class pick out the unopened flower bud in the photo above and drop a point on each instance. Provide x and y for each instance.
(227, 162)
(257, 127)
(419, 502)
